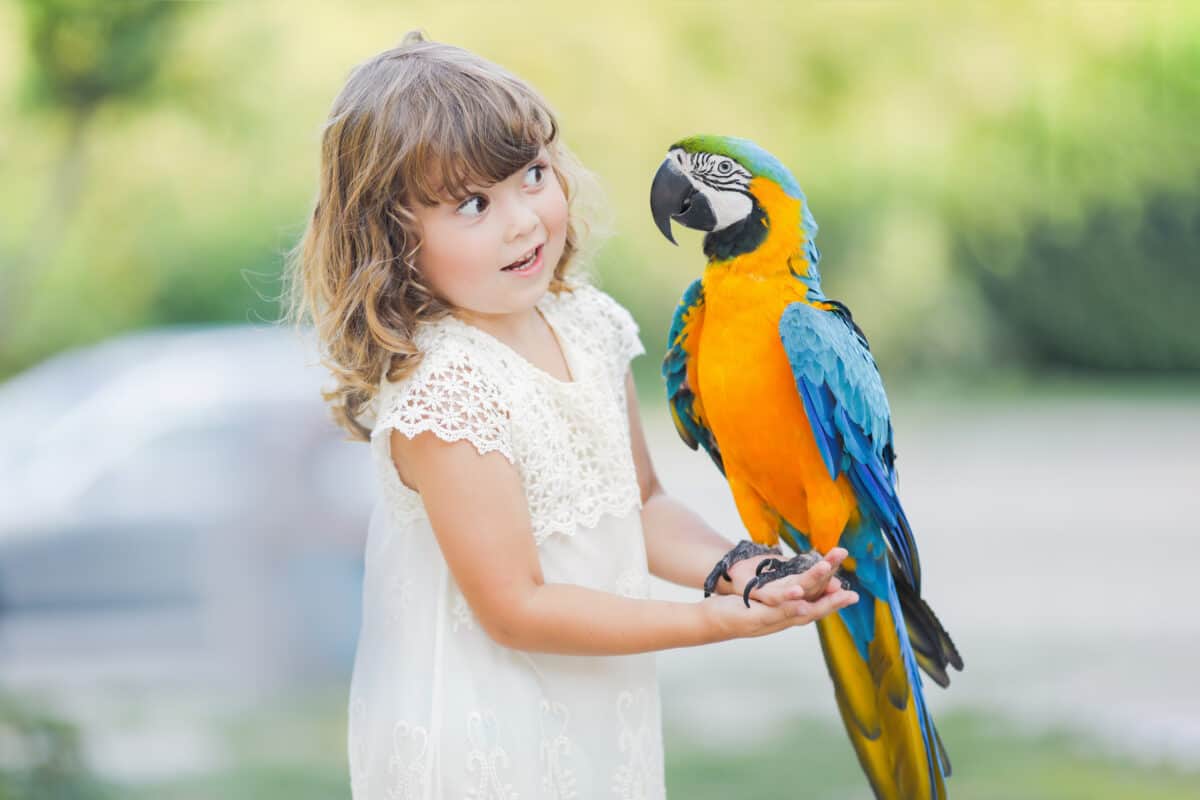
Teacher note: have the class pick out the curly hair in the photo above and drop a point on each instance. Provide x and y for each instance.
(414, 124)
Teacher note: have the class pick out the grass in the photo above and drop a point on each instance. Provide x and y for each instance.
(293, 748)
(992, 761)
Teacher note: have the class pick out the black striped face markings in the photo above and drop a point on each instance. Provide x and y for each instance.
(720, 172)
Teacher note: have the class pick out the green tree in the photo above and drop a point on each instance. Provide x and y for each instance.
(83, 54)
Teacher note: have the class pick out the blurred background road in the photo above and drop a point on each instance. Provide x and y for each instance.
(1008, 198)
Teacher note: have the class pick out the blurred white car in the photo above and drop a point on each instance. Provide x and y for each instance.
(177, 503)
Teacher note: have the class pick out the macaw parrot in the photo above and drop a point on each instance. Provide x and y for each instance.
(778, 385)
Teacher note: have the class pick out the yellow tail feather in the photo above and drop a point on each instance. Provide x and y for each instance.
(877, 707)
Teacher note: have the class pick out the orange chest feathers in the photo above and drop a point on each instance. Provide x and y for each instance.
(755, 411)
(742, 370)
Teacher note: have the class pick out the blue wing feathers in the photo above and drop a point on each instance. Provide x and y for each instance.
(681, 397)
(843, 397)
(823, 431)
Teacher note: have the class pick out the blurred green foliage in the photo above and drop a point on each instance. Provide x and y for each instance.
(42, 757)
(1119, 290)
(1094, 260)
(293, 746)
(992, 760)
(951, 157)
(83, 53)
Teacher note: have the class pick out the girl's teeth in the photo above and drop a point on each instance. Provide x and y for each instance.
(523, 262)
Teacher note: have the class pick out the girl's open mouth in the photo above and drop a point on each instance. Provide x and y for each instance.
(528, 265)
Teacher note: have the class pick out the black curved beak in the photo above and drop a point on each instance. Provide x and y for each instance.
(672, 196)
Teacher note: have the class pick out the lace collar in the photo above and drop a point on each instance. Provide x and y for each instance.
(548, 306)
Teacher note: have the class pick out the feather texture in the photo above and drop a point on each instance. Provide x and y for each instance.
(844, 399)
(762, 362)
(686, 410)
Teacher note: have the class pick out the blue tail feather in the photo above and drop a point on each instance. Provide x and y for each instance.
(928, 733)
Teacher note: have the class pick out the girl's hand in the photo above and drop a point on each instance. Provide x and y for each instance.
(813, 582)
(732, 620)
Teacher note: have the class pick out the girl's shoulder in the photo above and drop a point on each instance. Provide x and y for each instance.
(451, 358)
(455, 390)
(595, 318)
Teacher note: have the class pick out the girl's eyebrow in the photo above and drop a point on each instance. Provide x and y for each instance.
(457, 196)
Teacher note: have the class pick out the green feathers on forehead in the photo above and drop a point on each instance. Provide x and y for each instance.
(759, 162)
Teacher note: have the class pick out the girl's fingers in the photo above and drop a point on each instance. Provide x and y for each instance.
(814, 578)
(811, 612)
(777, 592)
(817, 579)
(768, 596)
(836, 556)
(795, 587)
(801, 612)
(841, 599)
(789, 588)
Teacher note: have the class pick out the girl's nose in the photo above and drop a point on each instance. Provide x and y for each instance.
(522, 222)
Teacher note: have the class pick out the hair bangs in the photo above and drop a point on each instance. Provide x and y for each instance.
(476, 138)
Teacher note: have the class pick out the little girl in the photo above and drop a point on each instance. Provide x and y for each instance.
(507, 635)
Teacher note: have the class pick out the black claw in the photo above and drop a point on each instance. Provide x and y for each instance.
(765, 564)
(750, 586)
(743, 549)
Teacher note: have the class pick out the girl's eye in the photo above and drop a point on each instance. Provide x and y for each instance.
(473, 206)
(535, 174)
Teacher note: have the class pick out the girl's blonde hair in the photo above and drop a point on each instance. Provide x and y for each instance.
(414, 124)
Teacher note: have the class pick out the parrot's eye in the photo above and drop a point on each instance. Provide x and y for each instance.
(724, 167)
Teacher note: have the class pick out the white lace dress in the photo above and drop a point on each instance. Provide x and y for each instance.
(437, 708)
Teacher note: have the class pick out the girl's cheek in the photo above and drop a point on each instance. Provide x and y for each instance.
(555, 215)
(445, 261)
(452, 249)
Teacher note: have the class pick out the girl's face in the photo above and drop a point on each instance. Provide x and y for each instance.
(466, 246)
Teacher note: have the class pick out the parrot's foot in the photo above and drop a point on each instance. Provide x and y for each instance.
(772, 569)
(743, 550)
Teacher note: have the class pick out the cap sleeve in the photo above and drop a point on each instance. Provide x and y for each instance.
(616, 324)
(629, 343)
(453, 395)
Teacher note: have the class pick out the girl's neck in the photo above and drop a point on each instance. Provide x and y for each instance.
(511, 328)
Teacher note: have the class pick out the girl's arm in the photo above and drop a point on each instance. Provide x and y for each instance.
(476, 505)
(680, 546)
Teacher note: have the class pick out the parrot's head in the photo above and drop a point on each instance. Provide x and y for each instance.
(733, 190)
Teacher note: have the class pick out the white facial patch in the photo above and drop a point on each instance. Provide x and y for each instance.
(722, 181)
(728, 206)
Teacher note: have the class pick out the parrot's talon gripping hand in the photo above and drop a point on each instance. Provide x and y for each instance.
(765, 564)
(743, 550)
(772, 569)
